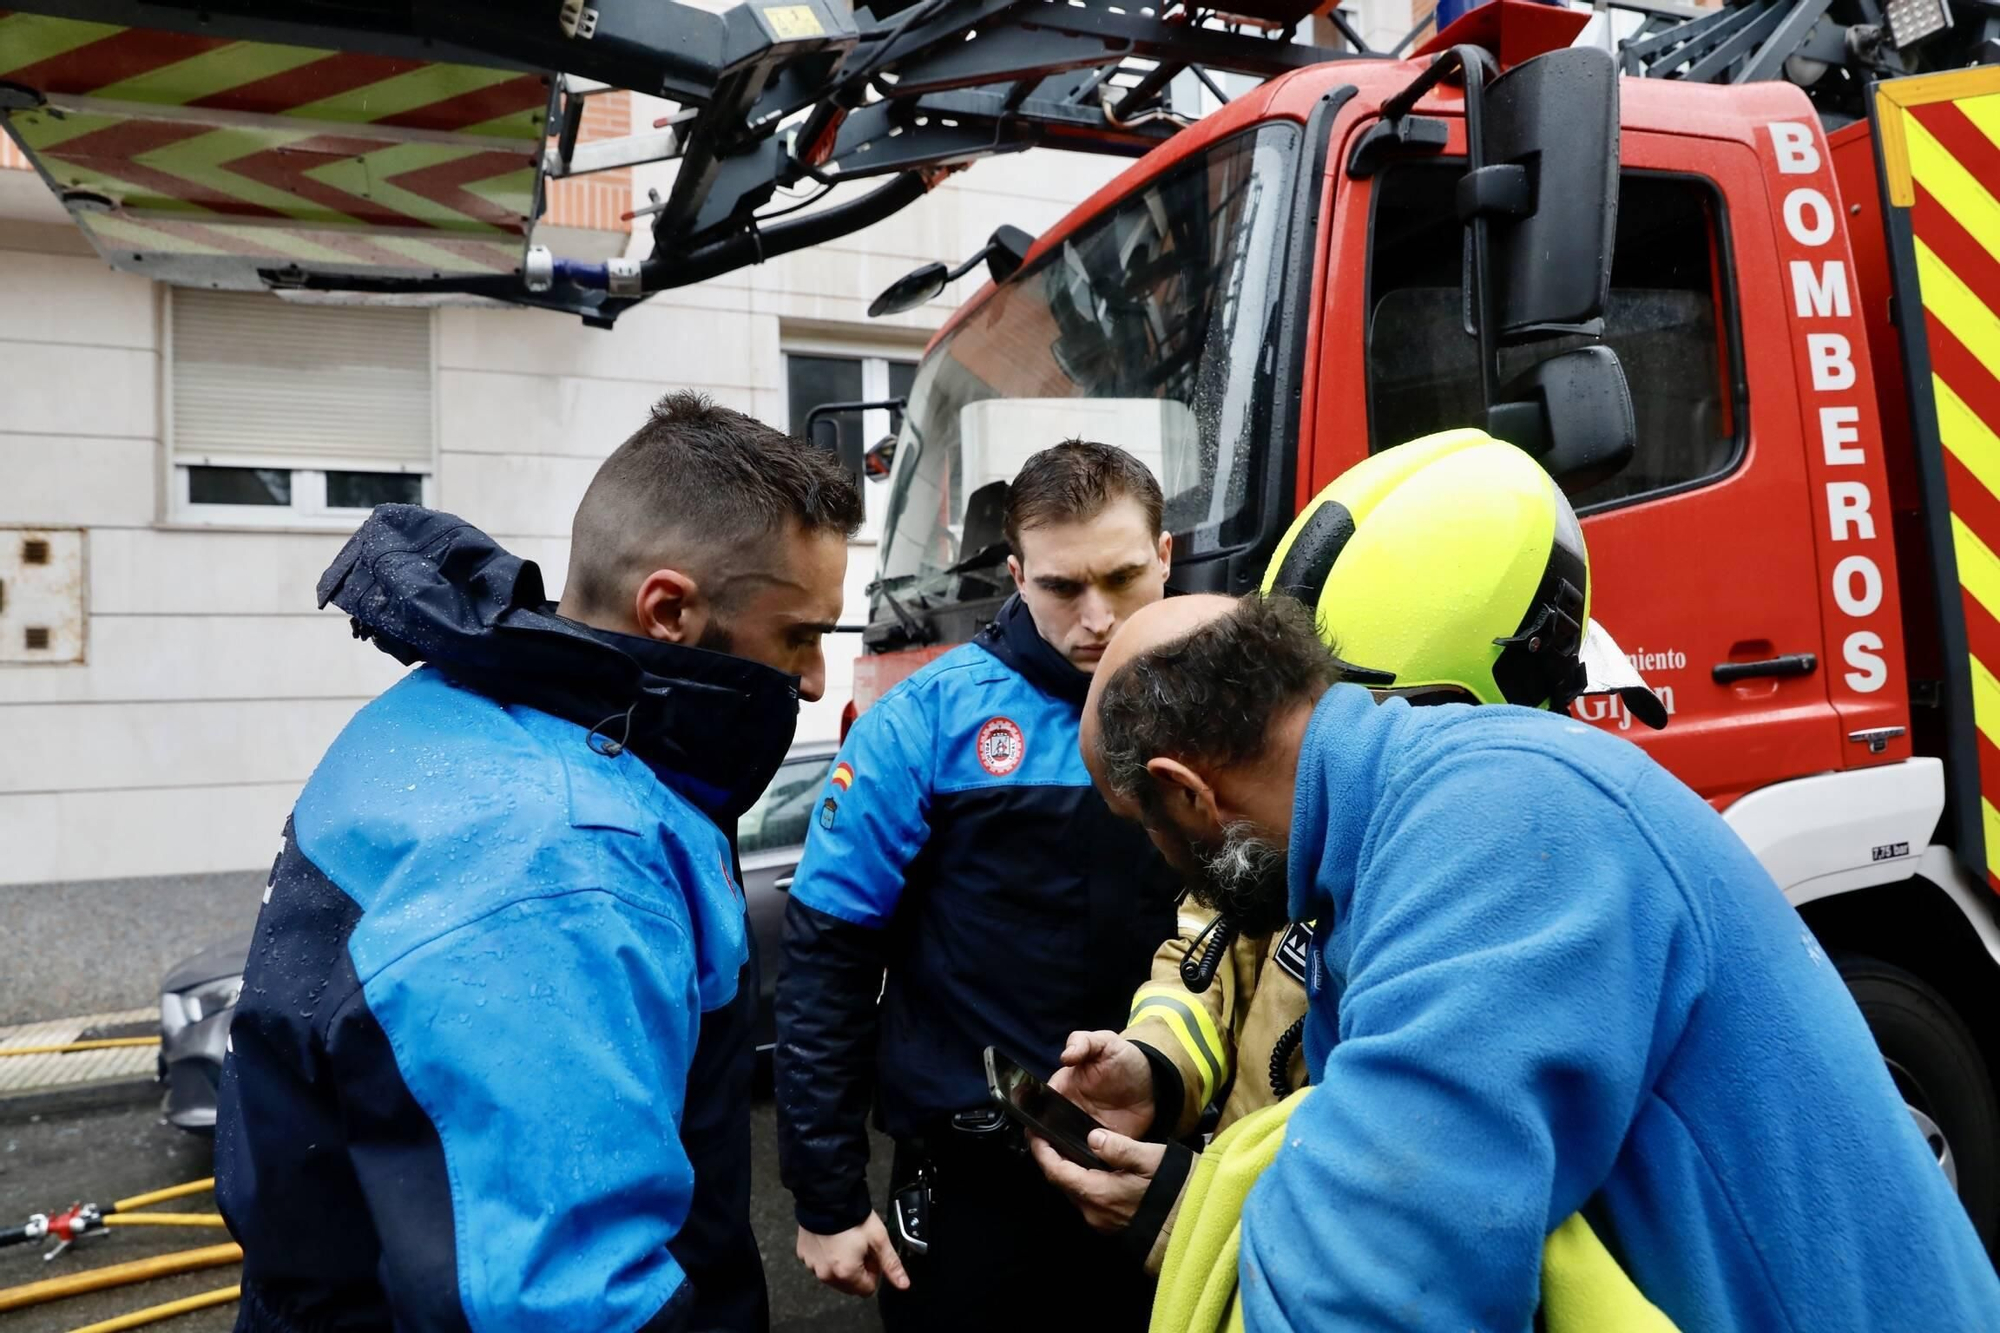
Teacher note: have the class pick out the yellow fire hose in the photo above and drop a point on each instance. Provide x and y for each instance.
(153, 1314)
(118, 1275)
(140, 1270)
(161, 1196)
(163, 1220)
(100, 1044)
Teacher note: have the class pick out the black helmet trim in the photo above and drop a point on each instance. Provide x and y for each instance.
(1541, 661)
(1372, 677)
(1310, 559)
(1308, 564)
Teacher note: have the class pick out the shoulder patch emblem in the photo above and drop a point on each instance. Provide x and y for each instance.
(826, 812)
(1000, 746)
(843, 775)
(1293, 950)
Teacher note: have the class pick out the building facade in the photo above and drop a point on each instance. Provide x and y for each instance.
(178, 465)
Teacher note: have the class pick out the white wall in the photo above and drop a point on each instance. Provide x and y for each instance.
(211, 685)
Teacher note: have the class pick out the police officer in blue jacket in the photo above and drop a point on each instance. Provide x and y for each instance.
(491, 1064)
(961, 847)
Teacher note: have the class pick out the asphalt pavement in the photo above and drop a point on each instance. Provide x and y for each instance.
(102, 1155)
(101, 945)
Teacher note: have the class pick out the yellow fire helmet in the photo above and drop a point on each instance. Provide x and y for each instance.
(1453, 567)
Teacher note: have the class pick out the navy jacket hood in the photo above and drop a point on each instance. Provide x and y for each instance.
(428, 586)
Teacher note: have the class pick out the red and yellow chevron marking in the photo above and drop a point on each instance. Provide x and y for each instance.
(67, 57)
(1941, 154)
(209, 148)
(843, 776)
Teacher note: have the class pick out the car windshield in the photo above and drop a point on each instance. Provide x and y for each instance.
(1150, 328)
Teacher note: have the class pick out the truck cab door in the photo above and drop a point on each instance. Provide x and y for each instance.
(1702, 554)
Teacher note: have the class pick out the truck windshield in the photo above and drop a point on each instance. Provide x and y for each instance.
(1151, 328)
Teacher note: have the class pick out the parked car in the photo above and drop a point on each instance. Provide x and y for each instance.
(198, 995)
(196, 1000)
(769, 840)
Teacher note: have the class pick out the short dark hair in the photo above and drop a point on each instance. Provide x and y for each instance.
(1074, 481)
(1210, 694)
(700, 484)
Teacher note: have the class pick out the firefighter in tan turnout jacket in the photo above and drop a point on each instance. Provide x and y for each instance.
(1240, 1033)
(1220, 1020)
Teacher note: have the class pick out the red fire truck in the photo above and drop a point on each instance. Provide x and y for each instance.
(1799, 553)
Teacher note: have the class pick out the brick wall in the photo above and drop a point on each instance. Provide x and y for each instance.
(597, 201)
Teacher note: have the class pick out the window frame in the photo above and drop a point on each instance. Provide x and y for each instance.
(875, 359)
(308, 507)
(1728, 324)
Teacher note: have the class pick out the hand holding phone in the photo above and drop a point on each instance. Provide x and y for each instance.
(1039, 1109)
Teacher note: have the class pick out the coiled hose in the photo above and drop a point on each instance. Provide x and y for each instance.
(1281, 1057)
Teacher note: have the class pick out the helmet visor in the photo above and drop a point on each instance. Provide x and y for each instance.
(1607, 670)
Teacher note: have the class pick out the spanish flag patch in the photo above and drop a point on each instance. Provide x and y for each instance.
(843, 776)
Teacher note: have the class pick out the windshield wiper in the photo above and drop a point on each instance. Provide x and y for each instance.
(918, 627)
(917, 631)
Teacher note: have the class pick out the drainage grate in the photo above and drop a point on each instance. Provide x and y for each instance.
(38, 638)
(34, 551)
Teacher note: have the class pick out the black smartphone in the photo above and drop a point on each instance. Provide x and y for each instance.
(1040, 1109)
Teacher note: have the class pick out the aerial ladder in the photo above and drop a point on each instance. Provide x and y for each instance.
(403, 149)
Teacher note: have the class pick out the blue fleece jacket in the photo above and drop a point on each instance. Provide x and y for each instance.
(1549, 978)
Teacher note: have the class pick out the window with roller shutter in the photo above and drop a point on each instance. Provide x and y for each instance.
(291, 413)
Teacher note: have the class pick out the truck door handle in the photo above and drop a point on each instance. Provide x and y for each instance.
(1785, 664)
(782, 885)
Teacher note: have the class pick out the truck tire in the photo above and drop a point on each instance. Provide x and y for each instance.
(1943, 1078)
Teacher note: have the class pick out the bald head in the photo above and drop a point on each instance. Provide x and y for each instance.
(1162, 622)
(1195, 684)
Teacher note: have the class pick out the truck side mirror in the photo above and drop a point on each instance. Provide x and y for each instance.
(1004, 253)
(1549, 190)
(823, 428)
(910, 291)
(880, 459)
(1573, 412)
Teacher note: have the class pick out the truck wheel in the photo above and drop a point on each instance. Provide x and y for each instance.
(1937, 1067)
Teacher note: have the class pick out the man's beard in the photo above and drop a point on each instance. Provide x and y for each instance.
(715, 637)
(1246, 879)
